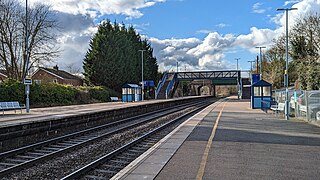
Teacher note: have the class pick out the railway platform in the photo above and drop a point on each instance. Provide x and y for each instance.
(12, 118)
(228, 140)
(20, 129)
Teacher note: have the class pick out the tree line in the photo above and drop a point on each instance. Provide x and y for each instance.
(114, 57)
(304, 54)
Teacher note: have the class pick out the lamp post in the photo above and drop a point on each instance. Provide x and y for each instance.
(237, 62)
(251, 70)
(251, 65)
(260, 55)
(286, 79)
(142, 83)
(177, 66)
(238, 88)
(27, 84)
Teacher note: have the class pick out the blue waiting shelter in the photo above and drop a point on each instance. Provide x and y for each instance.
(261, 95)
(131, 92)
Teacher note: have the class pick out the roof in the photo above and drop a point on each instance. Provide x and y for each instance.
(60, 73)
(261, 83)
(127, 85)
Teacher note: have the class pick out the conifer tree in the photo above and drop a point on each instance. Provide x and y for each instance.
(113, 57)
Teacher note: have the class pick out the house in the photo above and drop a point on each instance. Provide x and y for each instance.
(3, 75)
(45, 75)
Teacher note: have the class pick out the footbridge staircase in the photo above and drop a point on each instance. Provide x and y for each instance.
(166, 86)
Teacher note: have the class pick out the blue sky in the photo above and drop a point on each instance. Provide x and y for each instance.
(199, 34)
(182, 19)
(188, 18)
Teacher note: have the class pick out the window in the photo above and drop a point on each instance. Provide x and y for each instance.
(265, 89)
(37, 81)
(124, 90)
(257, 91)
(55, 80)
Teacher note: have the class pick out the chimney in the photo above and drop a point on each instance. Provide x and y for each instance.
(56, 67)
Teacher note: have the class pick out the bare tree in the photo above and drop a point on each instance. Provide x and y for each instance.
(275, 63)
(41, 37)
(305, 45)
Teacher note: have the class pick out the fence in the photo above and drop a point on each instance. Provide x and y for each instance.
(303, 104)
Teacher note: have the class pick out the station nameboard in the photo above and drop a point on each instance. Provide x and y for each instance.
(27, 81)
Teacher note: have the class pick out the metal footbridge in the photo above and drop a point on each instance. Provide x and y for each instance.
(166, 86)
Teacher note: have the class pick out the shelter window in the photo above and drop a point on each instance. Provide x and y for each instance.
(266, 91)
(257, 91)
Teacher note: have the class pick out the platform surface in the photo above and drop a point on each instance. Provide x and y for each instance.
(228, 140)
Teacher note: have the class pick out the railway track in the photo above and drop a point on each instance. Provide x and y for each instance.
(109, 165)
(15, 160)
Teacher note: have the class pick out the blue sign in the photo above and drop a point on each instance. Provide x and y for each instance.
(149, 83)
(255, 78)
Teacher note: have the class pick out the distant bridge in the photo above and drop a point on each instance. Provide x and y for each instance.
(208, 75)
(167, 85)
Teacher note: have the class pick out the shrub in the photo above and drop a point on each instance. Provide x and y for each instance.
(52, 94)
(11, 90)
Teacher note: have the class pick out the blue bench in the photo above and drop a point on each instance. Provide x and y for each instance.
(14, 105)
(114, 98)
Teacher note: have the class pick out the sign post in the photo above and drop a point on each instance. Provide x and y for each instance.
(27, 81)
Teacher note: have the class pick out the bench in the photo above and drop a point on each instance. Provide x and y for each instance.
(277, 107)
(14, 105)
(114, 98)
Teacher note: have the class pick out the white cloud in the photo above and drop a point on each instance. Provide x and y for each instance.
(193, 53)
(291, 2)
(222, 25)
(204, 31)
(209, 53)
(257, 37)
(212, 43)
(76, 32)
(129, 8)
(256, 8)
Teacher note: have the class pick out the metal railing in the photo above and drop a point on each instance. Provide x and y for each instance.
(303, 104)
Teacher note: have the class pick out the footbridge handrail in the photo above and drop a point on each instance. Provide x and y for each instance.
(174, 78)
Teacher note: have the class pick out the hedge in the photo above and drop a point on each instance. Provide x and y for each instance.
(52, 94)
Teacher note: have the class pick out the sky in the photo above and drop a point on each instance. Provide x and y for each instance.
(198, 34)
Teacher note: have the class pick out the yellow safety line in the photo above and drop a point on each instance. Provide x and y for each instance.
(206, 151)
